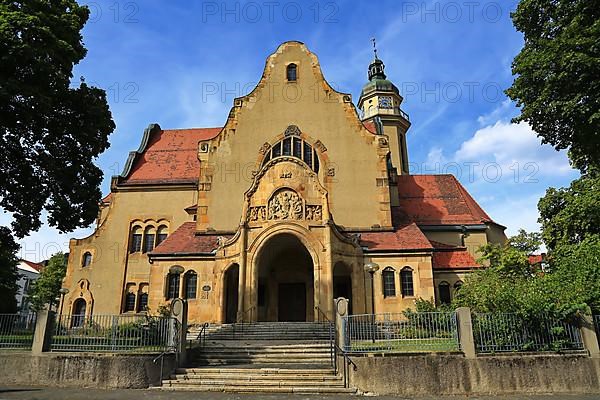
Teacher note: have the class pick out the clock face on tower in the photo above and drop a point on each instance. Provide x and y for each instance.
(386, 102)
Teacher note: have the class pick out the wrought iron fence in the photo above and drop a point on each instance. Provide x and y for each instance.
(401, 332)
(597, 326)
(16, 330)
(115, 333)
(506, 332)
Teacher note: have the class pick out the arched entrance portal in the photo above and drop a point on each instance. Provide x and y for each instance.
(230, 290)
(285, 280)
(342, 283)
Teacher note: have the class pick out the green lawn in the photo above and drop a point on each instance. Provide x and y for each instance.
(406, 345)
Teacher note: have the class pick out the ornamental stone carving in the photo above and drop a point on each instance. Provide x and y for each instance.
(292, 130)
(257, 214)
(285, 204)
(314, 213)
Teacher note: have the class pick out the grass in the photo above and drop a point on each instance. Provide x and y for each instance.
(407, 345)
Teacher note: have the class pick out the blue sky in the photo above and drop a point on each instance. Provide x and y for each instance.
(160, 61)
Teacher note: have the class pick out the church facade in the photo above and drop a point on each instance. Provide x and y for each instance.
(279, 211)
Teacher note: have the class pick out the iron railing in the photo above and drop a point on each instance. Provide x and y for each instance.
(510, 332)
(16, 330)
(401, 332)
(322, 318)
(597, 326)
(115, 333)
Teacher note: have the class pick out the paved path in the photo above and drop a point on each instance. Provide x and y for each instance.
(33, 393)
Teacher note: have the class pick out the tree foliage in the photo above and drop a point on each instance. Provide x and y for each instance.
(557, 70)
(8, 272)
(570, 215)
(46, 289)
(50, 132)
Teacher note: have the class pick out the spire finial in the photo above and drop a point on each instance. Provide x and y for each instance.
(374, 47)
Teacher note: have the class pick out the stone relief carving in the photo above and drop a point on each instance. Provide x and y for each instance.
(292, 130)
(257, 214)
(286, 204)
(320, 146)
(264, 148)
(314, 213)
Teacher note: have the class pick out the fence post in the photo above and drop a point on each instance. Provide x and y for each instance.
(179, 310)
(465, 332)
(589, 336)
(42, 335)
(341, 310)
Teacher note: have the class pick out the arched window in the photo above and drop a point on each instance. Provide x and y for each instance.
(129, 302)
(142, 302)
(457, 286)
(444, 291)
(149, 237)
(79, 308)
(293, 146)
(292, 72)
(161, 234)
(136, 240)
(389, 282)
(87, 259)
(190, 282)
(173, 285)
(406, 282)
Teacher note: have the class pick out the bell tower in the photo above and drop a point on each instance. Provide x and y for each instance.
(379, 103)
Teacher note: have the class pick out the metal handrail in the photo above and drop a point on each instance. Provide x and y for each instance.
(332, 337)
(162, 357)
(202, 334)
(347, 362)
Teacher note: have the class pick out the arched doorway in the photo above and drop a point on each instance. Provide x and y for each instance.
(342, 283)
(230, 293)
(78, 317)
(285, 280)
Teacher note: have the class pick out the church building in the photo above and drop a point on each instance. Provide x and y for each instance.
(299, 198)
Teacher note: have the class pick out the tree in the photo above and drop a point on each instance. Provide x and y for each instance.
(8, 272)
(557, 72)
(50, 132)
(511, 259)
(46, 289)
(570, 215)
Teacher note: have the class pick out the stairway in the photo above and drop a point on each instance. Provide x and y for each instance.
(269, 357)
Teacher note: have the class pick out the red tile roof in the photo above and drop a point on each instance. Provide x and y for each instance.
(107, 198)
(436, 200)
(458, 258)
(185, 241)
(171, 156)
(408, 237)
(537, 258)
(36, 266)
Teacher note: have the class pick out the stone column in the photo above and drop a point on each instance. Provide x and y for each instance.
(242, 277)
(341, 311)
(589, 336)
(43, 331)
(465, 332)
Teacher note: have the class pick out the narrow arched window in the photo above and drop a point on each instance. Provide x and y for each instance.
(161, 234)
(389, 282)
(172, 285)
(142, 302)
(129, 302)
(292, 73)
(87, 259)
(190, 282)
(136, 240)
(457, 286)
(406, 282)
(149, 237)
(444, 291)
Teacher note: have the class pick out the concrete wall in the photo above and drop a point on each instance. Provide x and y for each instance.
(83, 370)
(434, 374)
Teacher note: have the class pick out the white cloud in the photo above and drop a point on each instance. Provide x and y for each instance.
(500, 113)
(513, 147)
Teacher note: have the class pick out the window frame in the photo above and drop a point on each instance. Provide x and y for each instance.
(407, 286)
(291, 71)
(388, 291)
(187, 277)
(169, 286)
(129, 296)
(439, 287)
(86, 259)
(137, 239)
